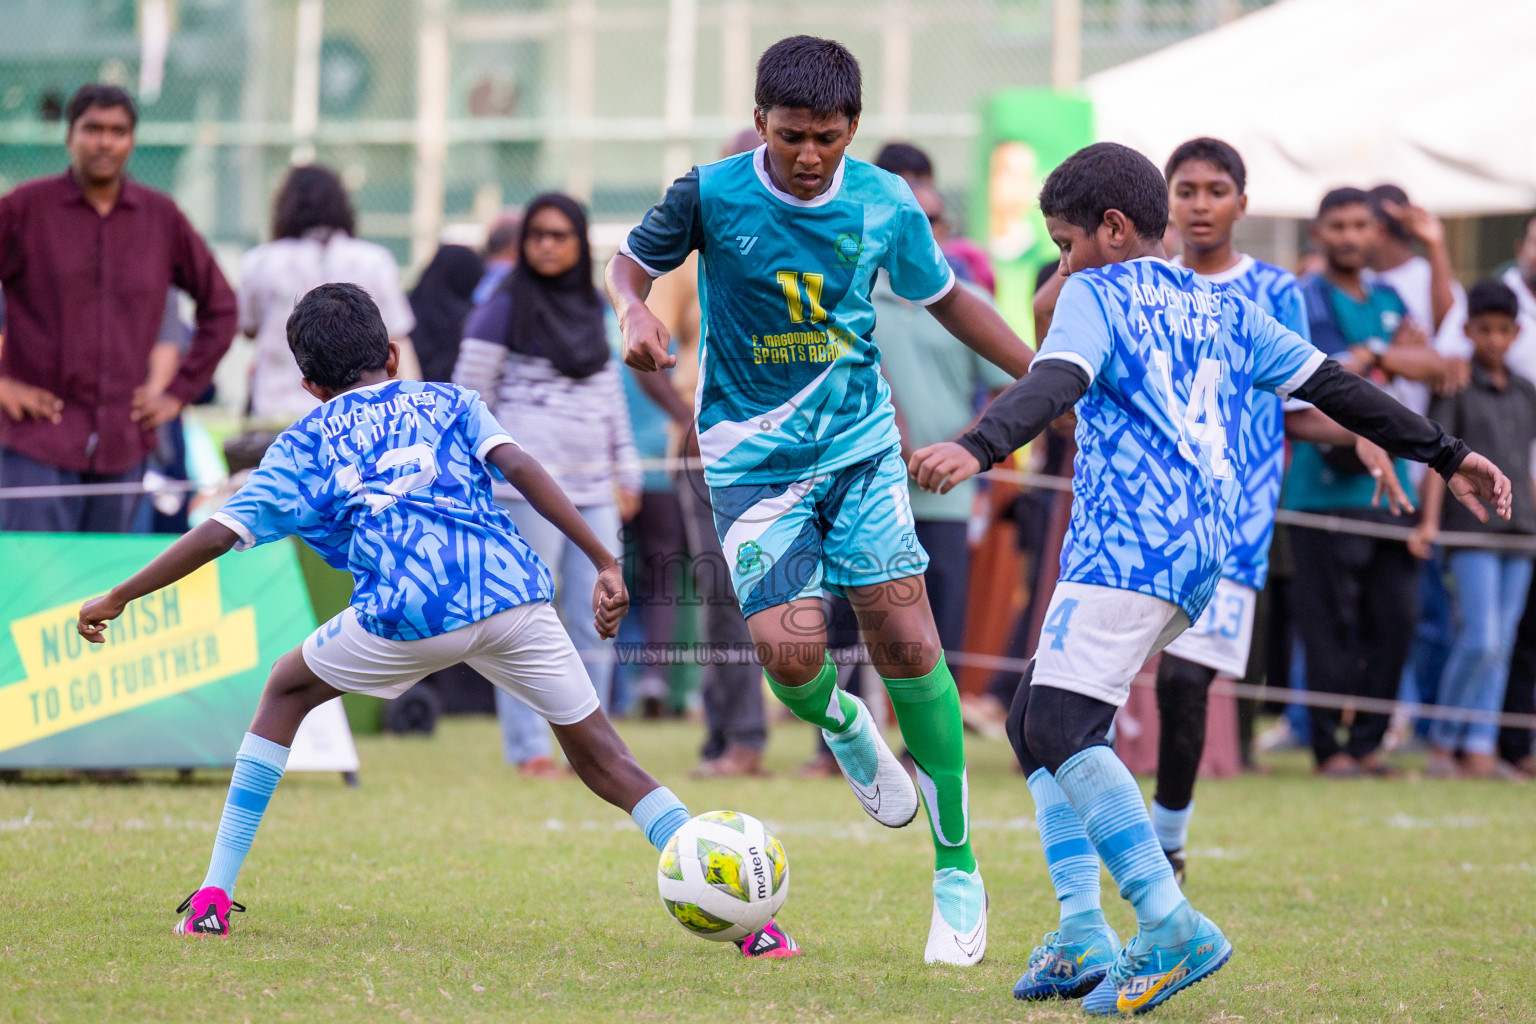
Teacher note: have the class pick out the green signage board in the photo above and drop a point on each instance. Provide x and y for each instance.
(1025, 133)
(179, 677)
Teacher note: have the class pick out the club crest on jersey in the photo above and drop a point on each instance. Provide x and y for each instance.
(848, 248)
(749, 554)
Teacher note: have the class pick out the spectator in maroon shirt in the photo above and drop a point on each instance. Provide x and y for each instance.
(86, 259)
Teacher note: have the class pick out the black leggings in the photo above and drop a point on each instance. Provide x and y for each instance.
(1049, 725)
(1182, 689)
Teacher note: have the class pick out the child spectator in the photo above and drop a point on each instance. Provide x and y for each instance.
(1497, 415)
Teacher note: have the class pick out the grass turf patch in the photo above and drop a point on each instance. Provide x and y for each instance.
(446, 888)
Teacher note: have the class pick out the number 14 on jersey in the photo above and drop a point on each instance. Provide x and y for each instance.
(1200, 419)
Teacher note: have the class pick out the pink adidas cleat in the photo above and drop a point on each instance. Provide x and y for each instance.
(772, 942)
(207, 912)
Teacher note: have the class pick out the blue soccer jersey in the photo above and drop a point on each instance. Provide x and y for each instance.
(389, 481)
(1158, 478)
(790, 386)
(1276, 292)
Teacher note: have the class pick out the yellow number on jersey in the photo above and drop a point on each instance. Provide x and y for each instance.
(789, 282)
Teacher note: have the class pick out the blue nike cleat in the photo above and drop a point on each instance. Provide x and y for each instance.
(1068, 970)
(1182, 951)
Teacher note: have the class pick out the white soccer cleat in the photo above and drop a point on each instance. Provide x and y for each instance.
(879, 781)
(958, 934)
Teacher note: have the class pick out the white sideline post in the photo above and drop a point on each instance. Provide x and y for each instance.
(324, 743)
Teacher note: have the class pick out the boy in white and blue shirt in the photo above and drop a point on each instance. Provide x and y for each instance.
(1159, 364)
(392, 480)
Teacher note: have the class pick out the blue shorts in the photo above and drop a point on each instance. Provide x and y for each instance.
(850, 527)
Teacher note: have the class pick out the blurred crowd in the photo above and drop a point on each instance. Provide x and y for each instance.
(117, 315)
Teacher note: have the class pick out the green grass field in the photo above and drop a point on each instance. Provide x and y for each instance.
(447, 889)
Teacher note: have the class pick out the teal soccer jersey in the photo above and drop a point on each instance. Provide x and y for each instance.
(790, 384)
(1171, 359)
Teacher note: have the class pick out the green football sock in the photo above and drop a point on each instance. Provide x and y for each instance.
(928, 710)
(819, 701)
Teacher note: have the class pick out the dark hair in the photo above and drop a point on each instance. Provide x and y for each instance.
(1218, 154)
(505, 234)
(1107, 176)
(1491, 296)
(903, 158)
(819, 75)
(312, 197)
(337, 335)
(95, 94)
(1342, 197)
(1389, 194)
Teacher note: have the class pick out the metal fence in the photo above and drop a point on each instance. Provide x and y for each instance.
(439, 112)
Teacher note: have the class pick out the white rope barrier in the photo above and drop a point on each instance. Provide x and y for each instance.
(651, 655)
(1037, 481)
(1308, 698)
(704, 654)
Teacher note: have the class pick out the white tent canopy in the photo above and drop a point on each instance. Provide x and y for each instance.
(1438, 96)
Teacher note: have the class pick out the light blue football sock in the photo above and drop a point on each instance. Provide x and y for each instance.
(258, 769)
(1069, 854)
(1171, 827)
(1110, 805)
(659, 814)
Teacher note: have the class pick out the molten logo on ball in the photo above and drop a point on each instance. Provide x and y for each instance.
(723, 875)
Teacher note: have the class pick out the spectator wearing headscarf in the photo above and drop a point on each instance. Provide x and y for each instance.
(540, 352)
(441, 302)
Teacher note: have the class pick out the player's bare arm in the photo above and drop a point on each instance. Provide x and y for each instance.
(610, 599)
(646, 338)
(982, 329)
(192, 551)
(1421, 541)
(1314, 426)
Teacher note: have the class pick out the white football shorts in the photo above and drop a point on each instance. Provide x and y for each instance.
(523, 650)
(1223, 635)
(1095, 639)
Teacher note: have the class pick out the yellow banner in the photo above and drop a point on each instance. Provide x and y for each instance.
(166, 643)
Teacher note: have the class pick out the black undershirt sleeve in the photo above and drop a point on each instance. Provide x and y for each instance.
(1030, 403)
(1359, 406)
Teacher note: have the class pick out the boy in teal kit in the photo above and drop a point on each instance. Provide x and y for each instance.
(798, 437)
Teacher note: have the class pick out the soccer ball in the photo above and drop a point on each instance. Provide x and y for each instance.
(723, 875)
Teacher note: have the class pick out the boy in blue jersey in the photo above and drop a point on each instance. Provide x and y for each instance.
(1159, 363)
(798, 438)
(1206, 197)
(392, 480)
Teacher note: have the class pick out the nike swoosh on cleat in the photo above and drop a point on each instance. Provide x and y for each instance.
(1086, 955)
(975, 944)
(869, 797)
(1125, 1005)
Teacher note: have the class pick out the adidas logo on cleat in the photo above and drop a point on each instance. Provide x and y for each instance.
(208, 922)
(764, 942)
